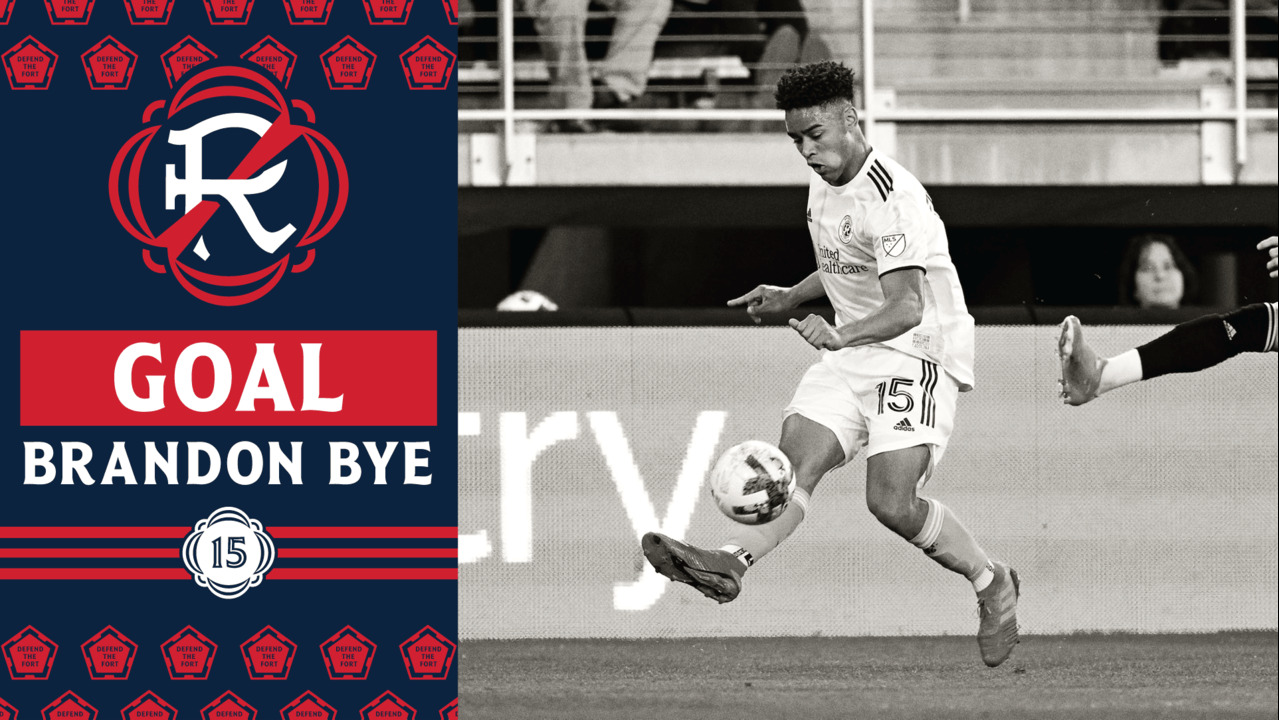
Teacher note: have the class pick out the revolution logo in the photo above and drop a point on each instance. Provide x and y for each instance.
(229, 138)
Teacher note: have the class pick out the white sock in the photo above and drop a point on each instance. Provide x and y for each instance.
(752, 542)
(1120, 370)
(983, 579)
(740, 553)
(945, 539)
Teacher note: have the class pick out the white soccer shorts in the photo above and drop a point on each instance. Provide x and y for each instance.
(879, 398)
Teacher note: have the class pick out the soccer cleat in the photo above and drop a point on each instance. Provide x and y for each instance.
(717, 574)
(997, 606)
(1080, 368)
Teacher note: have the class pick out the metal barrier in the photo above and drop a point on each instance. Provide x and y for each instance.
(1020, 315)
(876, 117)
(576, 441)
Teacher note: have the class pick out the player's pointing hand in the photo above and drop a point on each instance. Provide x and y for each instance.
(817, 332)
(1272, 244)
(764, 298)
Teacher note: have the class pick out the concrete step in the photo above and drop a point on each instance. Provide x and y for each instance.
(993, 51)
(890, 70)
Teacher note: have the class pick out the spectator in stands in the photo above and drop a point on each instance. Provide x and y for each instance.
(1155, 273)
(750, 26)
(561, 27)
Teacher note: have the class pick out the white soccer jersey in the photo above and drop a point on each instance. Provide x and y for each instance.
(881, 221)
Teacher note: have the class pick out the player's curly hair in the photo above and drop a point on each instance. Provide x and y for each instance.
(813, 85)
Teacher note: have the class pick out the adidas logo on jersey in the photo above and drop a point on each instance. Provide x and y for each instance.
(810, 214)
(1230, 330)
(904, 425)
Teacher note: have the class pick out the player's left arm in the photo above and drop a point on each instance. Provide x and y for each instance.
(902, 310)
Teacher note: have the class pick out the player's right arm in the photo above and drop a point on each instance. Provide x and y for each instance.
(1272, 244)
(771, 298)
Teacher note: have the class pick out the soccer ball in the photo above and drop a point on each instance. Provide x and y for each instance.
(752, 483)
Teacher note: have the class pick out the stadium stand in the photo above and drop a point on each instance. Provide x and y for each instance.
(995, 42)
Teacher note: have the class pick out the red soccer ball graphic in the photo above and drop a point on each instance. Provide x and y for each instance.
(229, 186)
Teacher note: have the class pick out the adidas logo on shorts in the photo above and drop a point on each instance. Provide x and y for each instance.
(904, 425)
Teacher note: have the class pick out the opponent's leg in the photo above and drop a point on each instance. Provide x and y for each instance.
(892, 480)
(813, 451)
(1189, 347)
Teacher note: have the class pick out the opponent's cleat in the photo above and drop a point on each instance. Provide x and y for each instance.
(717, 574)
(997, 605)
(1080, 368)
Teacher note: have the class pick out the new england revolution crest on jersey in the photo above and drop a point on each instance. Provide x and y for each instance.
(229, 185)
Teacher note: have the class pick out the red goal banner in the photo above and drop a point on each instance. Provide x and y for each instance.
(231, 378)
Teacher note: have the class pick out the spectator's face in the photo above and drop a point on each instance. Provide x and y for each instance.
(1158, 282)
(823, 137)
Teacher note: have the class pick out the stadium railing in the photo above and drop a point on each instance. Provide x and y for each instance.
(986, 48)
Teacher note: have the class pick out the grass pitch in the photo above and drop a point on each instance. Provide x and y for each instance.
(1224, 675)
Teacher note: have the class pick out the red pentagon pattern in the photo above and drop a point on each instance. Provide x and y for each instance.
(7, 711)
(148, 12)
(277, 59)
(69, 12)
(388, 707)
(388, 12)
(29, 65)
(109, 655)
(308, 12)
(228, 706)
(149, 706)
(6, 12)
(268, 655)
(29, 654)
(428, 655)
(180, 58)
(69, 707)
(308, 706)
(428, 65)
(189, 655)
(228, 12)
(348, 655)
(449, 712)
(348, 65)
(109, 65)
(450, 9)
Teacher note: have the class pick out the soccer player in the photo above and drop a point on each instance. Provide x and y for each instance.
(1189, 347)
(892, 365)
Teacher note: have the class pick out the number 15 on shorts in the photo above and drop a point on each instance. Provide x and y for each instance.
(901, 395)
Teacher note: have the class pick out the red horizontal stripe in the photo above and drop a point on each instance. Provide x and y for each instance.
(165, 533)
(92, 552)
(94, 574)
(361, 532)
(94, 532)
(363, 574)
(277, 574)
(366, 553)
